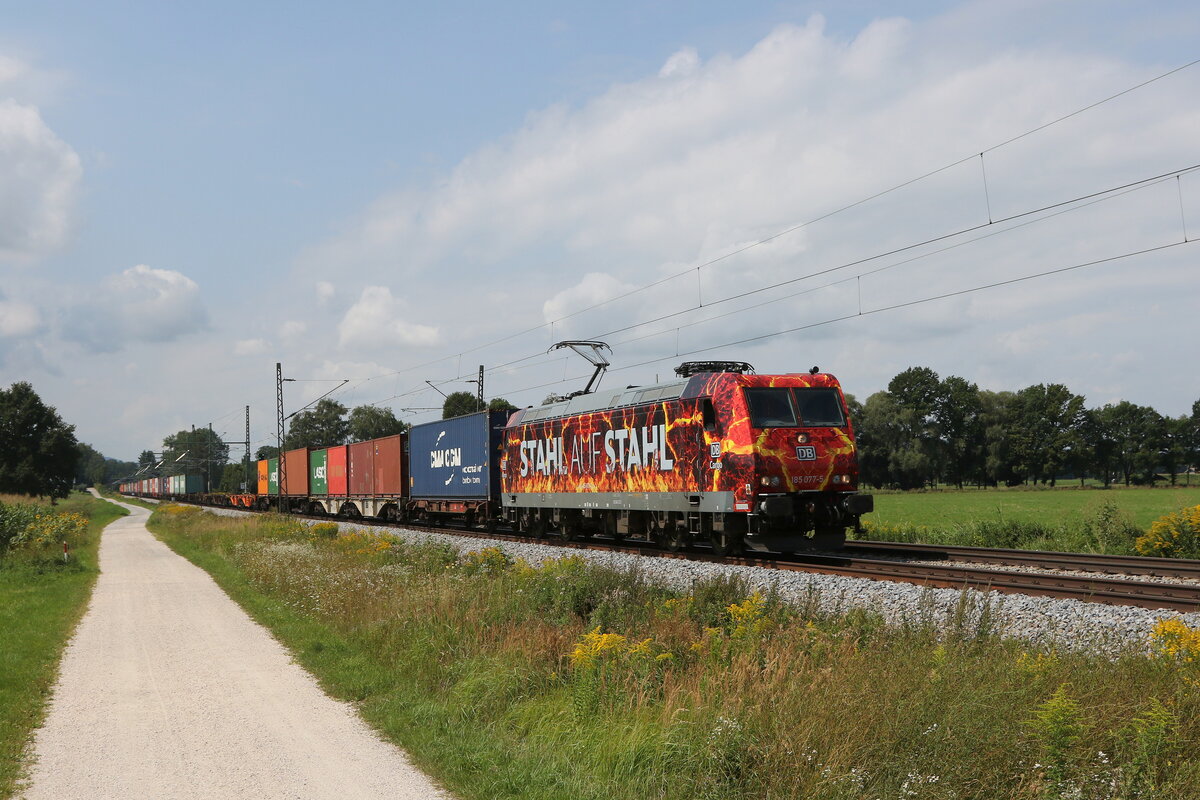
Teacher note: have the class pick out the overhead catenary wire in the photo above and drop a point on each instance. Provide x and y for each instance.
(1030, 216)
(537, 359)
(879, 310)
(799, 226)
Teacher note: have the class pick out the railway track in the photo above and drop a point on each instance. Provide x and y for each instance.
(1089, 588)
(1084, 562)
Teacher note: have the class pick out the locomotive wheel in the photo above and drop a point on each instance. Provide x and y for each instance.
(533, 525)
(610, 527)
(676, 536)
(725, 543)
(571, 528)
(829, 538)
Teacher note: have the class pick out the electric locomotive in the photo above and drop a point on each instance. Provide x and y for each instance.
(721, 455)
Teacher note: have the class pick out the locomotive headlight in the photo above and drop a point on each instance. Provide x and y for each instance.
(802, 438)
(766, 481)
(775, 481)
(841, 479)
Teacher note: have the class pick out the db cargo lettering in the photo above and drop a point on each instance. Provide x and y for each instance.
(451, 457)
(624, 450)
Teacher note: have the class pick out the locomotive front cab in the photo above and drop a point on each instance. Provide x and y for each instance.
(805, 469)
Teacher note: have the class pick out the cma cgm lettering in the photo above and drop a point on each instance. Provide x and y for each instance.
(621, 450)
(450, 457)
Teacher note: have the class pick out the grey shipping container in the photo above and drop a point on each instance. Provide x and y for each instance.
(457, 458)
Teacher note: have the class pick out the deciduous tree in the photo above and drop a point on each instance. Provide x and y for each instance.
(197, 452)
(459, 403)
(324, 426)
(38, 451)
(373, 422)
(956, 417)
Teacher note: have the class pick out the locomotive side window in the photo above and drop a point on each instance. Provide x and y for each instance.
(710, 414)
(770, 407)
(820, 408)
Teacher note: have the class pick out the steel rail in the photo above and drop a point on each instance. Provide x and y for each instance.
(1084, 562)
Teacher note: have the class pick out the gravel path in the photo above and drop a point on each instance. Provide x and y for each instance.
(168, 690)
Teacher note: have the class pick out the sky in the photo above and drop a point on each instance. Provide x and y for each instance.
(393, 194)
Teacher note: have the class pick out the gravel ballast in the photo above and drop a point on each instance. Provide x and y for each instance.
(1041, 621)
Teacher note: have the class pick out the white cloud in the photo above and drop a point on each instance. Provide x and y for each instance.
(708, 156)
(293, 330)
(11, 69)
(157, 304)
(39, 178)
(140, 304)
(251, 347)
(380, 321)
(681, 63)
(18, 319)
(594, 288)
(325, 291)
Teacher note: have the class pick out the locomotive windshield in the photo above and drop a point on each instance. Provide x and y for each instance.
(776, 407)
(820, 408)
(771, 407)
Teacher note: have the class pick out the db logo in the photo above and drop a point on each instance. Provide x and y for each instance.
(714, 450)
(806, 453)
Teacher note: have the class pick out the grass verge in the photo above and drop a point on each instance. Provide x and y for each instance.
(41, 600)
(1063, 519)
(507, 680)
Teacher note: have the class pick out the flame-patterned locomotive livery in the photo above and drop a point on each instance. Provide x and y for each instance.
(723, 457)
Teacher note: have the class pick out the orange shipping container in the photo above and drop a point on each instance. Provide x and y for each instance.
(295, 477)
(264, 477)
(389, 465)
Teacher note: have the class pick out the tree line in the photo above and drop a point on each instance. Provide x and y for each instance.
(925, 430)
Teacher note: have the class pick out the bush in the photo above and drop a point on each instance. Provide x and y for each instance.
(1009, 533)
(1174, 535)
(488, 561)
(324, 530)
(1108, 530)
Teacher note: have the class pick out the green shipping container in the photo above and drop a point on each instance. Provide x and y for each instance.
(318, 472)
(273, 476)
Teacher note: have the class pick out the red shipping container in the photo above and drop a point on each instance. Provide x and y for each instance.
(295, 479)
(389, 465)
(335, 470)
(360, 467)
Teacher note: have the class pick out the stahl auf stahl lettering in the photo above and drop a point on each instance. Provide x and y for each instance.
(624, 450)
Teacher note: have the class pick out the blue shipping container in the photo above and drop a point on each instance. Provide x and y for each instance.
(457, 457)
